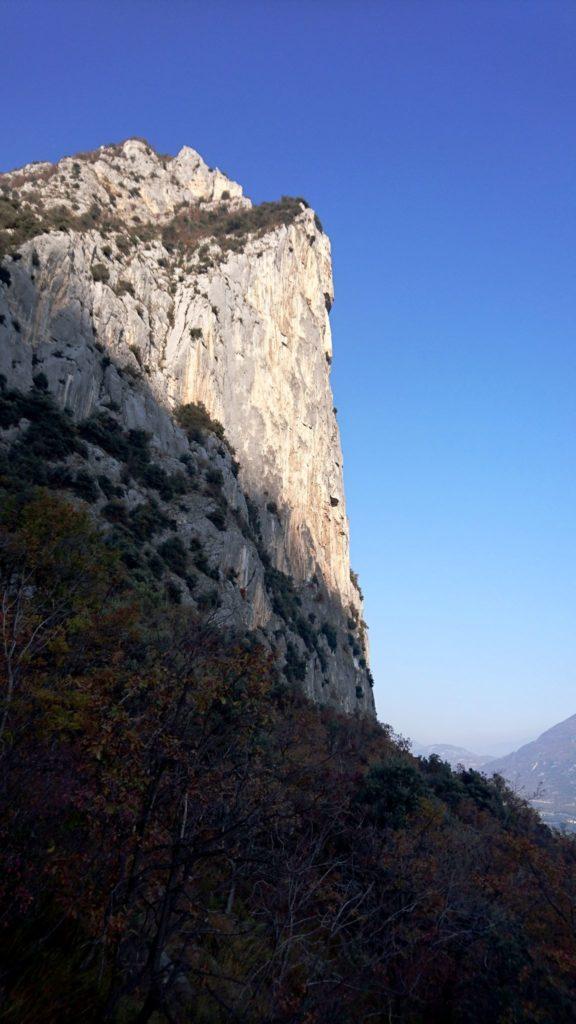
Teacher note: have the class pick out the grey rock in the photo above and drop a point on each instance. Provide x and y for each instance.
(143, 329)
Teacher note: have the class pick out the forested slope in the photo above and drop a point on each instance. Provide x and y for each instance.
(183, 837)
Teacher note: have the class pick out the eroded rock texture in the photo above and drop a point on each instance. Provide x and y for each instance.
(135, 283)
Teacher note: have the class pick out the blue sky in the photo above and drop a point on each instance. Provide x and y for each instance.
(437, 142)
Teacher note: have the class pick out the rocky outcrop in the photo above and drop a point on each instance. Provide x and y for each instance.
(136, 283)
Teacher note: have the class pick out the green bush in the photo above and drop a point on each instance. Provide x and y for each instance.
(390, 792)
(83, 485)
(147, 519)
(280, 586)
(22, 468)
(295, 667)
(331, 636)
(174, 554)
(115, 511)
(188, 462)
(156, 565)
(156, 478)
(123, 243)
(218, 518)
(356, 584)
(305, 631)
(195, 420)
(202, 563)
(214, 477)
(124, 287)
(100, 272)
(173, 592)
(208, 600)
(133, 449)
(109, 489)
(40, 382)
(51, 433)
(61, 477)
(105, 432)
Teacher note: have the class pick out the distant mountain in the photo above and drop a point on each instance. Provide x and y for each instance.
(544, 772)
(453, 755)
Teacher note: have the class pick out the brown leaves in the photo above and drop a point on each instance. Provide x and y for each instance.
(183, 839)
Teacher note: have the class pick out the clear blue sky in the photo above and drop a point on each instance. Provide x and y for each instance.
(437, 142)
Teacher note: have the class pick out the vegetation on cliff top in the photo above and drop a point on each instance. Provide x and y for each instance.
(24, 215)
(182, 838)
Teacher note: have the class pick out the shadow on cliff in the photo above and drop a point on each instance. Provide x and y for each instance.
(323, 643)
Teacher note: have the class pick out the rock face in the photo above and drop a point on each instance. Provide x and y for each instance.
(137, 283)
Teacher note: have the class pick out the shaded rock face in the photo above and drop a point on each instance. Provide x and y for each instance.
(157, 284)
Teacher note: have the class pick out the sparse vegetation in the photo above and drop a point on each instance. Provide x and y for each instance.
(193, 225)
(100, 273)
(295, 666)
(174, 554)
(195, 420)
(285, 601)
(355, 583)
(124, 287)
(330, 633)
(84, 486)
(215, 478)
(24, 218)
(217, 518)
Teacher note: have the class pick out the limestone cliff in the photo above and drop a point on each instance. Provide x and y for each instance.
(136, 284)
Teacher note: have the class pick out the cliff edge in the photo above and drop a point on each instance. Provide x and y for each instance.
(145, 297)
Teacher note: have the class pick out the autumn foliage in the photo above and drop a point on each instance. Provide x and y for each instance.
(183, 839)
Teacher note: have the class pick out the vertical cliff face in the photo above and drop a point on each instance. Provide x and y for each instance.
(259, 358)
(138, 283)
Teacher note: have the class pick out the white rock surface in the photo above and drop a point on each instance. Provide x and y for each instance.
(247, 333)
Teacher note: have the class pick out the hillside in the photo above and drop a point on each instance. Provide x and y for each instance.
(544, 772)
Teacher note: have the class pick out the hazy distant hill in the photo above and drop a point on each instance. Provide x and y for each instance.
(544, 772)
(453, 755)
